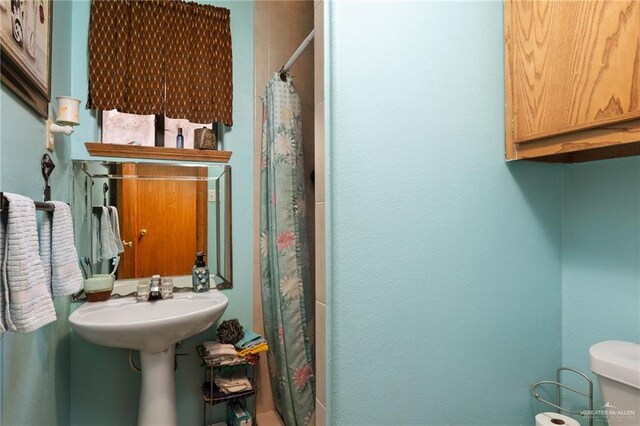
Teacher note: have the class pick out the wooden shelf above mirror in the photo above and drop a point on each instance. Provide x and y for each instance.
(97, 149)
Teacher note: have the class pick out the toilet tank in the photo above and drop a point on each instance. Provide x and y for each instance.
(617, 366)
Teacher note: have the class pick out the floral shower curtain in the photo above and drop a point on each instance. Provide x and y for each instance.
(287, 297)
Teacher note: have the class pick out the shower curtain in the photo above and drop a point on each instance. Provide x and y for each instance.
(287, 296)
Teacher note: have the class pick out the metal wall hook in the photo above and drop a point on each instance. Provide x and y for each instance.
(105, 189)
(47, 166)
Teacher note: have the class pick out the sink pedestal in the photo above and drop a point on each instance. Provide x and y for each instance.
(158, 390)
(153, 328)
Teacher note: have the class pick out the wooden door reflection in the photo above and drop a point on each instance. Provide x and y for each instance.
(164, 219)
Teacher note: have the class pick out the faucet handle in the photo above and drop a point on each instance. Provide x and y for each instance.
(143, 290)
(166, 288)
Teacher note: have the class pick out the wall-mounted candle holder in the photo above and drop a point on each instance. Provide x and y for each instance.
(67, 117)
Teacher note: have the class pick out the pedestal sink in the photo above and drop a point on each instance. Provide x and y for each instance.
(153, 328)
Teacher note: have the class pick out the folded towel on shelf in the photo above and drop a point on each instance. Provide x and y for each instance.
(58, 252)
(108, 246)
(233, 382)
(115, 229)
(29, 296)
(3, 296)
(221, 354)
(250, 339)
(262, 347)
(229, 361)
(217, 348)
(251, 359)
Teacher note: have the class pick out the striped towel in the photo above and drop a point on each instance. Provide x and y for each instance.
(29, 298)
(58, 252)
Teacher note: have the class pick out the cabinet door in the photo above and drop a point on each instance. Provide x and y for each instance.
(570, 66)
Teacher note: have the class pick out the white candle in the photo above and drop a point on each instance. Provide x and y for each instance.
(68, 111)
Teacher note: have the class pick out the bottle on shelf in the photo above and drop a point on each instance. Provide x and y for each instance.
(180, 139)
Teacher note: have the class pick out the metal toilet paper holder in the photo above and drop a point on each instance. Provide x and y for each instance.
(559, 385)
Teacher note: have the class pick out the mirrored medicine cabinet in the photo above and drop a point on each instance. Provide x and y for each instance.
(167, 212)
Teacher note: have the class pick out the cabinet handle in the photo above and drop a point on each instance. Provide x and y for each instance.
(127, 244)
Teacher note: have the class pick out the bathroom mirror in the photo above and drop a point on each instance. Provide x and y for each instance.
(166, 213)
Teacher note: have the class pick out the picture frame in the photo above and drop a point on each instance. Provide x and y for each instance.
(25, 57)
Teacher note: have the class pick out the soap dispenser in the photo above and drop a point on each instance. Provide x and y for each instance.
(200, 274)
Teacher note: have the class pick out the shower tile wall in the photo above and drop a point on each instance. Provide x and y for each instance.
(320, 209)
(279, 28)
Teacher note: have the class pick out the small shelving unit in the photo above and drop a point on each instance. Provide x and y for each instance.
(211, 395)
(97, 149)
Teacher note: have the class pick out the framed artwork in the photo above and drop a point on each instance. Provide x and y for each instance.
(25, 38)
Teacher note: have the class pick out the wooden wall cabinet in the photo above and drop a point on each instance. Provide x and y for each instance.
(572, 79)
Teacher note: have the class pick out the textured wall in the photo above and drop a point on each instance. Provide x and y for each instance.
(35, 366)
(445, 262)
(601, 258)
(104, 389)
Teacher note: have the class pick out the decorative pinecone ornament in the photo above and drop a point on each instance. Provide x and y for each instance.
(230, 332)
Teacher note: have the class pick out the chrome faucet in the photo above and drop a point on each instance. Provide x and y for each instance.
(156, 289)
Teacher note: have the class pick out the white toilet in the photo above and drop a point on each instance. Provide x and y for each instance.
(617, 365)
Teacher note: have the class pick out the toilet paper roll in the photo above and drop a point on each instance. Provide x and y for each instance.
(555, 419)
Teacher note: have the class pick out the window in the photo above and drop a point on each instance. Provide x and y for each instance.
(147, 130)
(141, 69)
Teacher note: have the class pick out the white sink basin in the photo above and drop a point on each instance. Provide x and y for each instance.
(153, 328)
(148, 326)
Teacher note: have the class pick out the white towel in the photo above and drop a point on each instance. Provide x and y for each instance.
(221, 354)
(234, 382)
(29, 297)
(218, 349)
(115, 229)
(45, 248)
(58, 252)
(3, 296)
(107, 241)
(96, 252)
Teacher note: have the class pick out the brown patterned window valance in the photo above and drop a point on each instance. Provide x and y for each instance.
(161, 57)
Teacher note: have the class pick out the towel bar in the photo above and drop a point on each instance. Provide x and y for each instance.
(4, 204)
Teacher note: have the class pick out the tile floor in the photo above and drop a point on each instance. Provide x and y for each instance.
(269, 418)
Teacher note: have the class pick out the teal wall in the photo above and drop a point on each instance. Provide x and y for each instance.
(35, 369)
(472, 275)
(104, 390)
(445, 300)
(601, 258)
